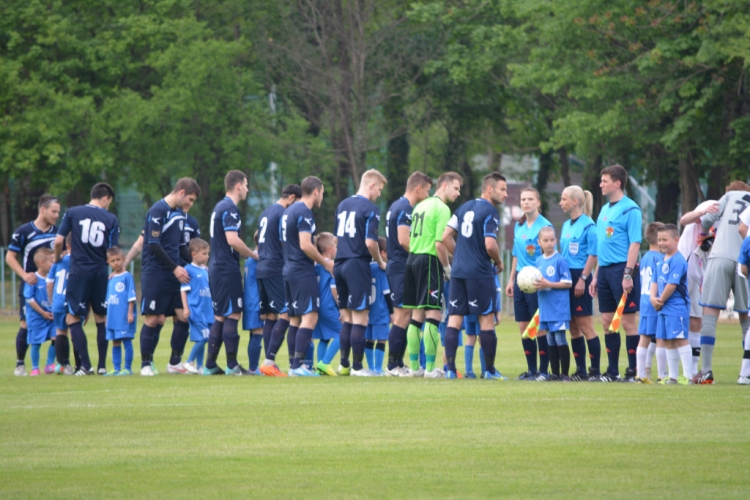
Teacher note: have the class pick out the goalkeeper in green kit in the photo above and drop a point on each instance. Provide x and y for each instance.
(426, 269)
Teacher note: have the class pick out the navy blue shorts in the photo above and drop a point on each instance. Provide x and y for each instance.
(524, 304)
(396, 284)
(226, 293)
(271, 292)
(353, 283)
(471, 296)
(583, 305)
(302, 295)
(85, 289)
(21, 302)
(160, 294)
(609, 287)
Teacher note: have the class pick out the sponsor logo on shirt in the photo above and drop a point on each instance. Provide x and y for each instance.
(120, 286)
(531, 250)
(609, 231)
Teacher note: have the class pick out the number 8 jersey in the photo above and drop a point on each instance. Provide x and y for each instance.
(474, 221)
(94, 230)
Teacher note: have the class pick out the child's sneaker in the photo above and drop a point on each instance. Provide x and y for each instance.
(178, 369)
(49, 369)
(35, 372)
(470, 375)
(147, 371)
(326, 369)
(344, 371)
(682, 380)
(496, 375)
(267, 370)
(364, 372)
(124, 373)
(302, 371)
(644, 380)
(111, 374)
(451, 374)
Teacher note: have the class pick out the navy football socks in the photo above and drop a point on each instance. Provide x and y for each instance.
(543, 353)
(529, 349)
(179, 338)
(21, 345)
(396, 346)
(215, 340)
(595, 353)
(267, 334)
(488, 339)
(612, 343)
(148, 334)
(357, 345)
(631, 344)
(345, 343)
(231, 341)
(301, 344)
(578, 345)
(451, 346)
(80, 344)
(277, 338)
(102, 344)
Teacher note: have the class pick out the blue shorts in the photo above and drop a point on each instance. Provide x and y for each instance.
(396, 284)
(609, 287)
(583, 305)
(302, 295)
(471, 324)
(39, 334)
(524, 304)
(88, 289)
(198, 330)
(647, 325)
(672, 327)
(226, 292)
(326, 331)
(377, 332)
(59, 321)
(471, 296)
(119, 335)
(271, 294)
(556, 338)
(160, 293)
(441, 328)
(554, 326)
(353, 283)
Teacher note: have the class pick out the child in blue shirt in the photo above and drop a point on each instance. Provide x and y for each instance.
(648, 315)
(554, 304)
(120, 312)
(39, 319)
(57, 282)
(669, 296)
(379, 321)
(196, 303)
(329, 324)
(251, 320)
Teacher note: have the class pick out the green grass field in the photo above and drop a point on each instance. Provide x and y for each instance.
(213, 437)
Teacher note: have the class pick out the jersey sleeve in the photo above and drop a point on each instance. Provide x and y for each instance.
(591, 239)
(153, 227)
(441, 221)
(708, 220)
(635, 229)
(65, 225)
(453, 222)
(17, 242)
(384, 283)
(306, 222)
(676, 271)
(230, 220)
(371, 226)
(490, 226)
(51, 274)
(745, 216)
(403, 219)
(130, 285)
(114, 234)
(28, 292)
(563, 271)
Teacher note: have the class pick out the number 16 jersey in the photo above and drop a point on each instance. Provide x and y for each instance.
(94, 230)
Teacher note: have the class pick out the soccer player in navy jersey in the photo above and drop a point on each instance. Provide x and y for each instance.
(225, 275)
(618, 240)
(471, 236)
(26, 240)
(163, 272)
(397, 228)
(357, 221)
(94, 229)
(300, 281)
(270, 279)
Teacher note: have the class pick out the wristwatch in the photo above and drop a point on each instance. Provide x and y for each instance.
(627, 277)
(584, 277)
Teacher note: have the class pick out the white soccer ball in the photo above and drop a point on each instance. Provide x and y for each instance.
(527, 277)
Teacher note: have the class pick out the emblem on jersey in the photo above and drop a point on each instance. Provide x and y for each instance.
(270, 304)
(155, 234)
(573, 248)
(308, 220)
(531, 250)
(473, 303)
(120, 287)
(550, 271)
(234, 216)
(182, 226)
(155, 220)
(454, 303)
(609, 231)
(665, 268)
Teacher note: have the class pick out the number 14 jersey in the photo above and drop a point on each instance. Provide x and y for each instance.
(357, 220)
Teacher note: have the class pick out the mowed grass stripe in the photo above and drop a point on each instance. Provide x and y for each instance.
(371, 438)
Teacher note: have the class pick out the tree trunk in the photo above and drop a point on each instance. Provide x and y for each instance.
(689, 186)
(564, 165)
(542, 179)
(397, 161)
(591, 179)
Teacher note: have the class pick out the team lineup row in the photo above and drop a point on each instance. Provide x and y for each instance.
(354, 292)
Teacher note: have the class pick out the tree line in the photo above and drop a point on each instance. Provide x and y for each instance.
(143, 92)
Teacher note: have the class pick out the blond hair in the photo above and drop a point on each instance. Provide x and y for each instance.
(372, 176)
(584, 198)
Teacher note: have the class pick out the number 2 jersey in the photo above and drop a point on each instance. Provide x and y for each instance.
(474, 221)
(94, 230)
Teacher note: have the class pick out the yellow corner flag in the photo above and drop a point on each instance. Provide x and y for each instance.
(533, 328)
(614, 326)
